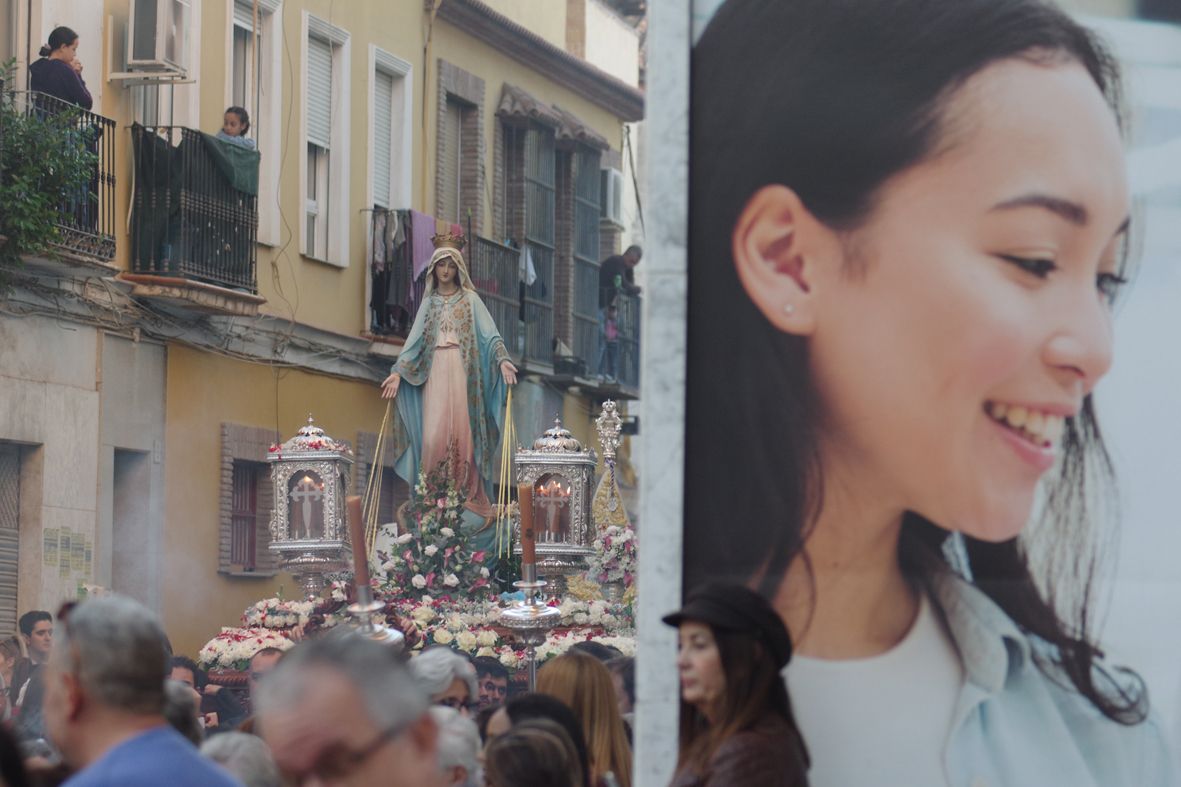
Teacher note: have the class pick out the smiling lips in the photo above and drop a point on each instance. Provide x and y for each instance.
(1042, 429)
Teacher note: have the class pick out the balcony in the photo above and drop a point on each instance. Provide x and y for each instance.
(194, 221)
(86, 223)
(396, 294)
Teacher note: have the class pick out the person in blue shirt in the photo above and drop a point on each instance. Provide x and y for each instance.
(906, 226)
(104, 700)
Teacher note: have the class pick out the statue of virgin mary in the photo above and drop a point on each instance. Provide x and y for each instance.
(450, 384)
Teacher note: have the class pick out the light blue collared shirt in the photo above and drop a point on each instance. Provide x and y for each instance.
(1014, 726)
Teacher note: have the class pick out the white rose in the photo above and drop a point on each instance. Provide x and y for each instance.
(486, 651)
(450, 580)
(389, 566)
(443, 637)
(509, 659)
(581, 618)
(431, 550)
(486, 639)
(423, 614)
(404, 538)
(448, 532)
(466, 640)
(483, 572)
(418, 580)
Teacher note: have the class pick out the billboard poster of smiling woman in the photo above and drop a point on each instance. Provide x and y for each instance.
(915, 230)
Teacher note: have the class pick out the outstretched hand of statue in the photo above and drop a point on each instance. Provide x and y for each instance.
(507, 370)
(389, 386)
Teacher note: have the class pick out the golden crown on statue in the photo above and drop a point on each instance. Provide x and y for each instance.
(448, 240)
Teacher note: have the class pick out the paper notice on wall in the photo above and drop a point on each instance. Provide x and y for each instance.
(78, 554)
(63, 551)
(49, 546)
(89, 558)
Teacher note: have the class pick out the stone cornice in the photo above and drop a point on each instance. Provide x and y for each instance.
(479, 21)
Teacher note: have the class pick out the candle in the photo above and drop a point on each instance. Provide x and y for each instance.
(357, 535)
(528, 536)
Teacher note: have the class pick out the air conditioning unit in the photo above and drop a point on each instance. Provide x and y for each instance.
(158, 36)
(611, 196)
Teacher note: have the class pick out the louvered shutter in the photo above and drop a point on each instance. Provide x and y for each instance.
(319, 97)
(9, 534)
(383, 136)
(244, 15)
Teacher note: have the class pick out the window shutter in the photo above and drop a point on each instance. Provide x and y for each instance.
(9, 534)
(383, 136)
(451, 148)
(319, 92)
(244, 15)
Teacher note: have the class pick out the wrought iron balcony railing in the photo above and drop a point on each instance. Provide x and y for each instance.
(195, 207)
(86, 223)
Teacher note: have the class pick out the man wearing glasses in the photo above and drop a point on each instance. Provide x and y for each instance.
(342, 710)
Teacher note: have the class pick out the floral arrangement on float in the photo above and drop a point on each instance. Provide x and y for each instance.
(439, 591)
(231, 650)
(433, 556)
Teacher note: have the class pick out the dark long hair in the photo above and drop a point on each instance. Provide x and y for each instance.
(754, 693)
(832, 98)
(61, 36)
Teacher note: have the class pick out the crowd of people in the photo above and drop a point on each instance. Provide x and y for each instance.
(96, 696)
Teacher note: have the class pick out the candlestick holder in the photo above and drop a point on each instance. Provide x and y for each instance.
(366, 611)
(530, 620)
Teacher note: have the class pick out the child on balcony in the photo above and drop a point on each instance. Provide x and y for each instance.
(235, 124)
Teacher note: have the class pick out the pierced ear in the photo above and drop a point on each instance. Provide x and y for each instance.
(775, 243)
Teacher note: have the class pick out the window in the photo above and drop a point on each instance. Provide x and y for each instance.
(253, 81)
(383, 136)
(10, 465)
(325, 164)
(390, 129)
(246, 502)
(586, 178)
(540, 160)
(247, 478)
(459, 155)
(245, 58)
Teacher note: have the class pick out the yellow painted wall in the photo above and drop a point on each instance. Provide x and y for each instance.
(546, 18)
(203, 391)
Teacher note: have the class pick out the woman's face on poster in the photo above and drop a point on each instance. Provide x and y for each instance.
(955, 330)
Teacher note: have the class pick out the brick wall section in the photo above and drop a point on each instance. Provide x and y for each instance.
(252, 444)
(468, 88)
(564, 248)
(610, 239)
(499, 221)
(576, 27)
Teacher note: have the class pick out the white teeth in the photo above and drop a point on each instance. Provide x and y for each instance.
(1017, 416)
(1043, 428)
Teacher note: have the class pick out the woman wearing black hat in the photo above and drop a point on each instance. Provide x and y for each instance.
(736, 721)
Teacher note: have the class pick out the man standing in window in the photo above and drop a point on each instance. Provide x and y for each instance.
(617, 274)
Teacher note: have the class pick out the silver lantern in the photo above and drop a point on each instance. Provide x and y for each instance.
(309, 474)
(561, 472)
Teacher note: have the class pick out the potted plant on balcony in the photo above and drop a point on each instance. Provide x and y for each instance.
(43, 164)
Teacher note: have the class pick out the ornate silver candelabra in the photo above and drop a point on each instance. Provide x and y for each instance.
(530, 620)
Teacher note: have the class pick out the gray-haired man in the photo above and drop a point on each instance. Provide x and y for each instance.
(104, 702)
(343, 710)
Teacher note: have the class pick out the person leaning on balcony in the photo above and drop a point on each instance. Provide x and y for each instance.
(235, 124)
(59, 72)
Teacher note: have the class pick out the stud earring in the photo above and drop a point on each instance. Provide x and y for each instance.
(789, 308)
